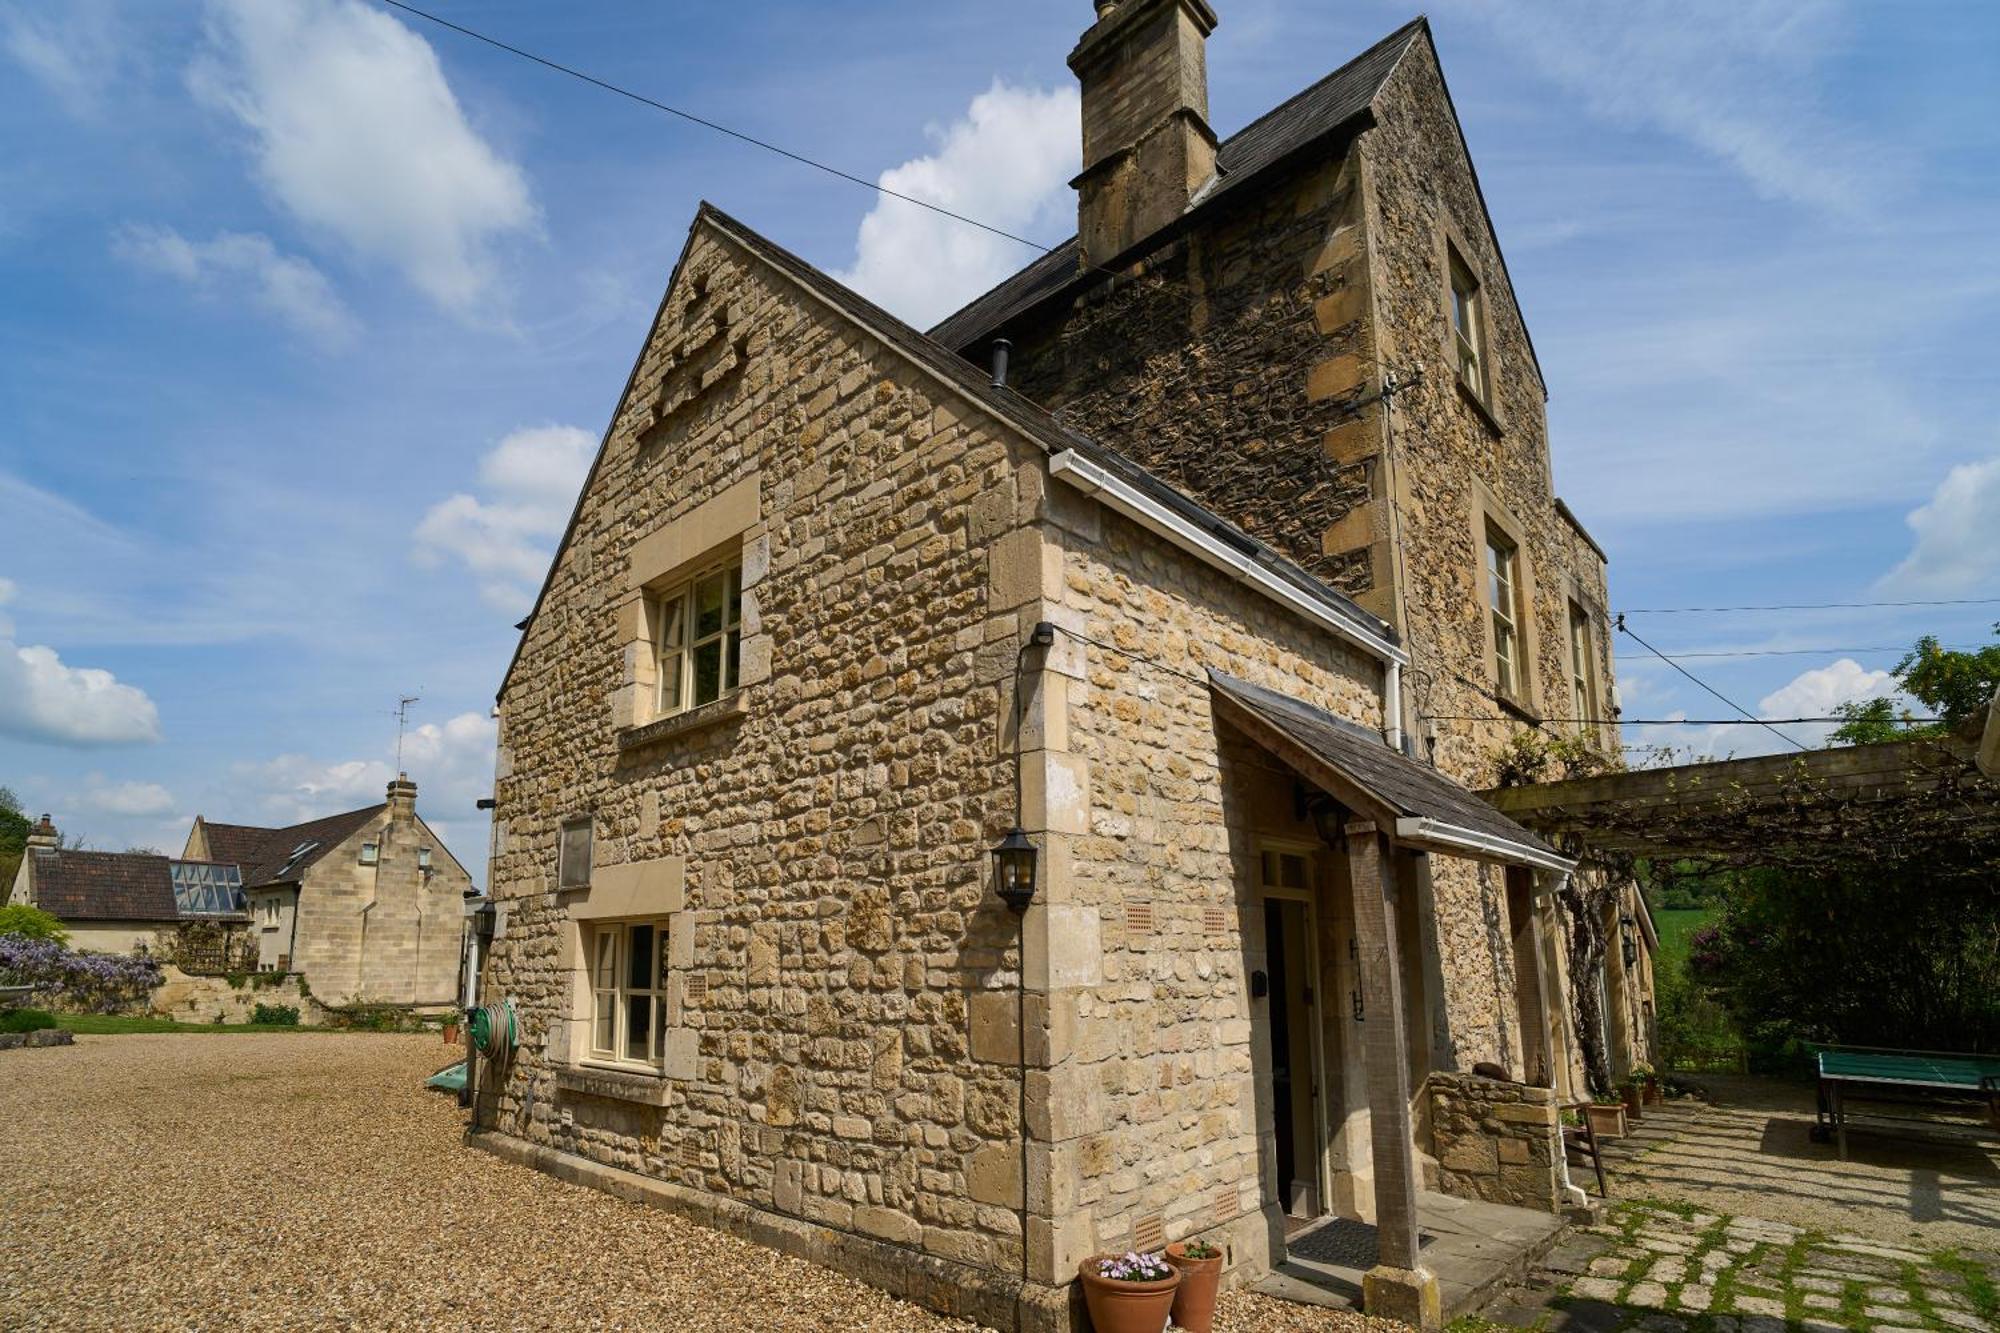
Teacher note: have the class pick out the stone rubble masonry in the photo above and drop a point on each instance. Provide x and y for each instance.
(202, 999)
(1500, 1142)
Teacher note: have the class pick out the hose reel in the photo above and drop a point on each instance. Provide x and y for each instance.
(494, 1030)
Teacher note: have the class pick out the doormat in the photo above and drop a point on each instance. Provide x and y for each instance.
(1341, 1242)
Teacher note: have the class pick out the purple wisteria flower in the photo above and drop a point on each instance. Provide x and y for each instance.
(101, 983)
(1134, 1267)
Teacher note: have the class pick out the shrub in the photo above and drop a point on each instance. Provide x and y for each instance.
(276, 1015)
(31, 923)
(26, 1020)
(100, 983)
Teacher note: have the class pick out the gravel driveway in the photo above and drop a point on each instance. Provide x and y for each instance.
(308, 1181)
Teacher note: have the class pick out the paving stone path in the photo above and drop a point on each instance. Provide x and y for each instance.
(1665, 1267)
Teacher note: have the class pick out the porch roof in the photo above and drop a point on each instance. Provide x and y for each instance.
(1415, 805)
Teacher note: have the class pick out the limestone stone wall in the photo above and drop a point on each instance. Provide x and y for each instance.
(831, 916)
(1501, 1142)
(387, 933)
(199, 999)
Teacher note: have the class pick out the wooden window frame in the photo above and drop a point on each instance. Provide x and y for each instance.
(678, 640)
(1582, 669)
(1501, 569)
(1467, 307)
(608, 949)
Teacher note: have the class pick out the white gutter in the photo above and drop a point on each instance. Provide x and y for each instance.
(1485, 846)
(1155, 517)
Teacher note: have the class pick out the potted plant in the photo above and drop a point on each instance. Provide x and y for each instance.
(451, 1032)
(1632, 1092)
(1607, 1119)
(1650, 1085)
(1128, 1293)
(1200, 1267)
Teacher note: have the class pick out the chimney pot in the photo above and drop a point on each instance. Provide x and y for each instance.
(402, 799)
(43, 834)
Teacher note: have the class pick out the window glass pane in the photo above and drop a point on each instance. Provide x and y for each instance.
(660, 958)
(733, 661)
(607, 959)
(1270, 867)
(734, 613)
(639, 967)
(660, 1040)
(671, 667)
(573, 855)
(1294, 868)
(708, 605)
(707, 672)
(601, 1037)
(673, 622)
(638, 1026)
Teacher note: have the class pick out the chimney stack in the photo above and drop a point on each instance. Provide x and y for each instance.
(402, 800)
(1147, 146)
(43, 835)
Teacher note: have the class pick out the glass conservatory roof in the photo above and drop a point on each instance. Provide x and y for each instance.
(204, 888)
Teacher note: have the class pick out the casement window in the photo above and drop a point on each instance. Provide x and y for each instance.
(573, 854)
(371, 853)
(1582, 680)
(424, 859)
(1503, 596)
(628, 988)
(700, 645)
(1468, 328)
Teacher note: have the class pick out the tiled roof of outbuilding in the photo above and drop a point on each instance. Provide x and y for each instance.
(1339, 99)
(267, 854)
(104, 886)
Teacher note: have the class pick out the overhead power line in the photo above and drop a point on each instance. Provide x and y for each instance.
(1804, 606)
(708, 124)
(1624, 629)
(1664, 721)
(1677, 655)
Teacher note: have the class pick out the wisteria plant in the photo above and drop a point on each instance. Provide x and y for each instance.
(100, 983)
(1134, 1267)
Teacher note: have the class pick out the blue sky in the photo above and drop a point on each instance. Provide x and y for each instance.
(313, 314)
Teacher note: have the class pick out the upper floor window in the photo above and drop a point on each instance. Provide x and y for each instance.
(628, 965)
(573, 854)
(371, 852)
(1503, 596)
(1468, 327)
(424, 859)
(701, 640)
(1582, 680)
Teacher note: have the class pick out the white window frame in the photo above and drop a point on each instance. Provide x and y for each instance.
(1582, 677)
(577, 875)
(1468, 327)
(371, 853)
(1503, 599)
(678, 642)
(608, 950)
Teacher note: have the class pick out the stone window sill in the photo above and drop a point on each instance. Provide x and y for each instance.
(731, 709)
(624, 1085)
(1517, 709)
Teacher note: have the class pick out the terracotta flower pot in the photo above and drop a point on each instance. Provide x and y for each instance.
(1126, 1307)
(1606, 1122)
(451, 1034)
(1654, 1094)
(1633, 1096)
(1194, 1302)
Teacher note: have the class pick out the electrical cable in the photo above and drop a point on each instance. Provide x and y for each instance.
(1626, 630)
(1803, 606)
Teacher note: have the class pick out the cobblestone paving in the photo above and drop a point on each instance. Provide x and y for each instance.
(1661, 1267)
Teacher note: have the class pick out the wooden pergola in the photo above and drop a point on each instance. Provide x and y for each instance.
(1875, 803)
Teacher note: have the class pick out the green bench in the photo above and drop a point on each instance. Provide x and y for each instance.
(1870, 1074)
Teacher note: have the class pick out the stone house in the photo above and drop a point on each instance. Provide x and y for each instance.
(1212, 593)
(366, 906)
(123, 902)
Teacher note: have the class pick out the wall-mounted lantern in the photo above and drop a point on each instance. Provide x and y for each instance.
(1014, 870)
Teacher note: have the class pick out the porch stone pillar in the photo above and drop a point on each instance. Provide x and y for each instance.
(1398, 1287)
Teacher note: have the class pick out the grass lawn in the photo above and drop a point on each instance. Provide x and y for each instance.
(113, 1025)
(1675, 926)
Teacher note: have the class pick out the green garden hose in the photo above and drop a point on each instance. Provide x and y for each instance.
(494, 1031)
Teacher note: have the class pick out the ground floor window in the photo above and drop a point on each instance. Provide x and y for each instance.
(628, 988)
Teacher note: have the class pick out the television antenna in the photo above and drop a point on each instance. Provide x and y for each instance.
(402, 722)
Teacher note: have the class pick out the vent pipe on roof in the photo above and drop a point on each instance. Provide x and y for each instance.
(1001, 347)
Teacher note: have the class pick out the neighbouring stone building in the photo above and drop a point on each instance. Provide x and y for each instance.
(125, 902)
(1220, 598)
(366, 906)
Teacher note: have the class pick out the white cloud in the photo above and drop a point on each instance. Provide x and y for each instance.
(125, 798)
(76, 50)
(1957, 547)
(1815, 692)
(1008, 163)
(357, 134)
(235, 263)
(529, 481)
(1738, 79)
(43, 700)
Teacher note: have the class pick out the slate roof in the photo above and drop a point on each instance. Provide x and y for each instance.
(1406, 787)
(266, 853)
(104, 886)
(1340, 99)
(1037, 422)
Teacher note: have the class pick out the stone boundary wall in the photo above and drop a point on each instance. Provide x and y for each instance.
(10, 1041)
(203, 999)
(1500, 1142)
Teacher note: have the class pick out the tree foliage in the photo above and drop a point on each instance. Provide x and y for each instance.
(1954, 685)
(31, 923)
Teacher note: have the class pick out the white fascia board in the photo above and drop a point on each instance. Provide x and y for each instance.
(1479, 846)
(1155, 517)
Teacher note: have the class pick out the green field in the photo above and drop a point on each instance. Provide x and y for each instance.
(1675, 926)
